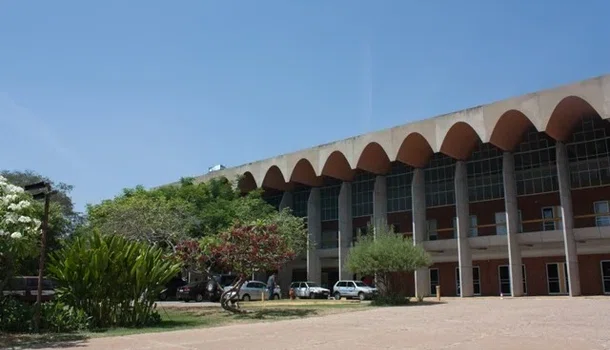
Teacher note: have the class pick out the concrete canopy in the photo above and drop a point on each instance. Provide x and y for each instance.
(503, 124)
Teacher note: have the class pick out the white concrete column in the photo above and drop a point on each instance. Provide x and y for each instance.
(286, 201)
(463, 227)
(380, 203)
(314, 227)
(512, 224)
(418, 205)
(285, 273)
(565, 194)
(345, 228)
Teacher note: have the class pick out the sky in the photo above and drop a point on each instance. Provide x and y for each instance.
(107, 95)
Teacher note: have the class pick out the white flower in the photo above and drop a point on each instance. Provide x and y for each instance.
(16, 235)
(37, 224)
(3, 233)
(24, 219)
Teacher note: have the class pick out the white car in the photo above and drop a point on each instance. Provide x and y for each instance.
(309, 290)
(353, 289)
(253, 290)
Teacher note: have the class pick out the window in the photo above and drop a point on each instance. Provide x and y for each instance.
(601, 208)
(362, 194)
(551, 218)
(589, 154)
(329, 202)
(434, 280)
(504, 277)
(473, 231)
(476, 280)
(485, 181)
(439, 174)
(557, 278)
(398, 183)
(501, 229)
(535, 168)
(274, 200)
(432, 230)
(330, 239)
(300, 199)
(605, 265)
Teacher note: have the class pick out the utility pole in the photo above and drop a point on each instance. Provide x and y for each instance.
(46, 195)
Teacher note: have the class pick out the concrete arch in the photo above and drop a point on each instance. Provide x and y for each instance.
(246, 182)
(566, 115)
(304, 173)
(460, 141)
(415, 150)
(509, 130)
(274, 179)
(374, 159)
(337, 166)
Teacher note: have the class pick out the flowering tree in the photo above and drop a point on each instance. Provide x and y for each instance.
(18, 229)
(246, 248)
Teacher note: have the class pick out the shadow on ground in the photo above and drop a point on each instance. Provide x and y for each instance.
(276, 314)
(37, 341)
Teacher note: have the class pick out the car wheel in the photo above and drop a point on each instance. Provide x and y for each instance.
(361, 296)
(187, 300)
(163, 296)
(199, 298)
(337, 296)
(312, 296)
(246, 297)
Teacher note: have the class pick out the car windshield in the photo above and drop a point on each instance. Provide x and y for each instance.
(312, 284)
(360, 284)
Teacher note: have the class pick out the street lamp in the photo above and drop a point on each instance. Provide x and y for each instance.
(41, 190)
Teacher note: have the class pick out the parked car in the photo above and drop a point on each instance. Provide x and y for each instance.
(206, 289)
(353, 289)
(25, 288)
(192, 291)
(253, 290)
(309, 290)
(171, 288)
(213, 292)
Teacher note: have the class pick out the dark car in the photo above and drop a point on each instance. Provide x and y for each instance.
(171, 288)
(212, 289)
(206, 289)
(25, 288)
(192, 291)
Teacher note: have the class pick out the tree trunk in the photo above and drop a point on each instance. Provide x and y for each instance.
(229, 298)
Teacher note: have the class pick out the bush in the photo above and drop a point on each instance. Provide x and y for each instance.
(16, 317)
(390, 300)
(113, 280)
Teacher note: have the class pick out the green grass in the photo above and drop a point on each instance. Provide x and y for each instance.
(190, 317)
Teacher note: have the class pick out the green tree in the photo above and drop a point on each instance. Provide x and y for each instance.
(384, 254)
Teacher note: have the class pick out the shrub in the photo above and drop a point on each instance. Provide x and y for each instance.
(113, 280)
(16, 317)
(385, 254)
(390, 300)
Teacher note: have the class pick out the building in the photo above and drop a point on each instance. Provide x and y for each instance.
(510, 197)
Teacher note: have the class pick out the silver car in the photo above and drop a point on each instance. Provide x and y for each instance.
(253, 290)
(353, 289)
(309, 290)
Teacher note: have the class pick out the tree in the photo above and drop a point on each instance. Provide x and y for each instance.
(19, 229)
(140, 216)
(260, 245)
(384, 254)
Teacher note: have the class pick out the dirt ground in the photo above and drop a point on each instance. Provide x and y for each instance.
(477, 323)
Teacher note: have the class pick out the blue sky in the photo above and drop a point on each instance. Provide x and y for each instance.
(110, 94)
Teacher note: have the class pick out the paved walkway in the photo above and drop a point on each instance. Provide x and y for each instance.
(480, 323)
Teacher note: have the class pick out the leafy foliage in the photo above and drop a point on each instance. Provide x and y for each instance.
(383, 254)
(16, 316)
(113, 280)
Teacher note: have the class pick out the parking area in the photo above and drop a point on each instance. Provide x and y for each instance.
(478, 323)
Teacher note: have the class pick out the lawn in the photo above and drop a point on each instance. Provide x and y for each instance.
(197, 316)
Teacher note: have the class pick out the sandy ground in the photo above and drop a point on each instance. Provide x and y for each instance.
(478, 323)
